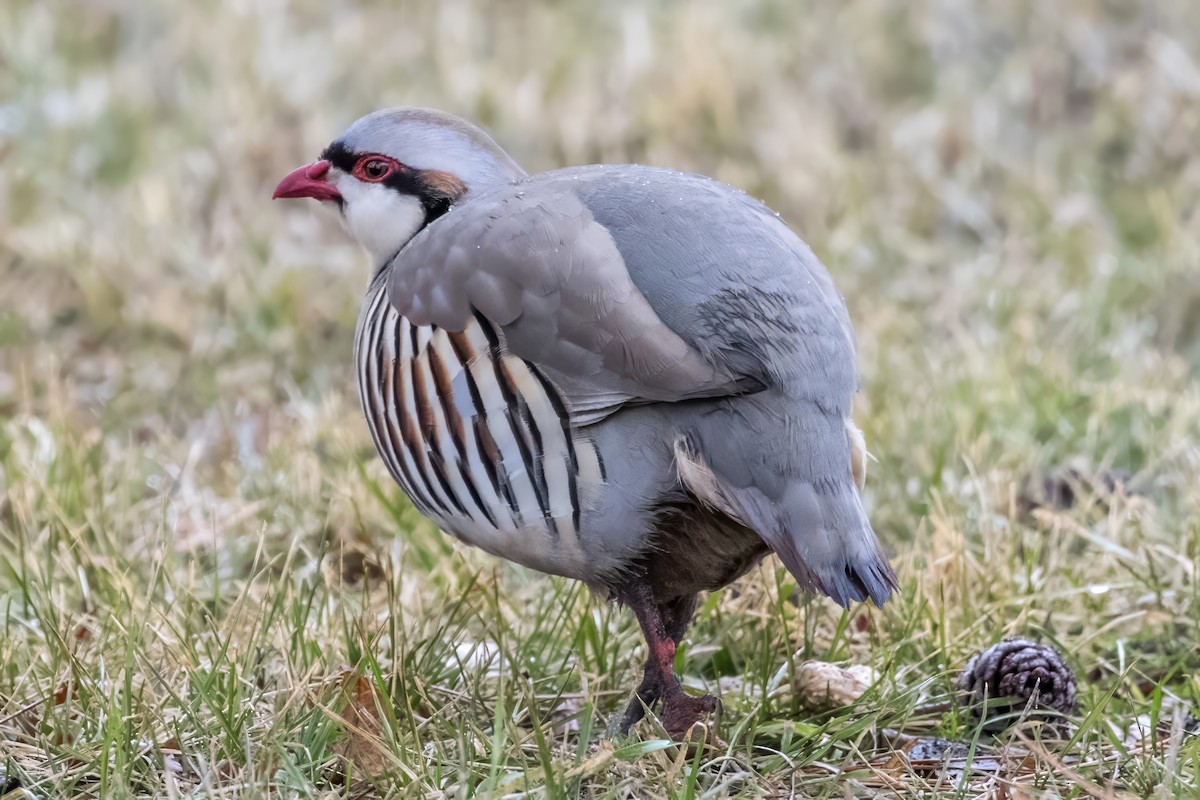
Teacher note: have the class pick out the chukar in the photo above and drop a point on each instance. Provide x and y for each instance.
(630, 376)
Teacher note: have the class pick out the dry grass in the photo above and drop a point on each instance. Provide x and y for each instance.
(208, 586)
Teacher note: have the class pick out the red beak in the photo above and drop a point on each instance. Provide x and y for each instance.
(308, 181)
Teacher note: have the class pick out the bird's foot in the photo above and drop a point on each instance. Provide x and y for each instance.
(683, 715)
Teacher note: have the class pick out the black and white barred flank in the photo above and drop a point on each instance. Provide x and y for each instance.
(477, 438)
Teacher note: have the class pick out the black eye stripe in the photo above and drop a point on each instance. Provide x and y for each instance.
(340, 156)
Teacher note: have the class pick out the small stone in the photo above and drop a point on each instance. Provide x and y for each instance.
(1014, 675)
(821, 685)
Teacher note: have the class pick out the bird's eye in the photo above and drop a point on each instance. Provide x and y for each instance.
(374, 168)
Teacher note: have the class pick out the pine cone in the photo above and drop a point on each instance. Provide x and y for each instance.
(1024, 672)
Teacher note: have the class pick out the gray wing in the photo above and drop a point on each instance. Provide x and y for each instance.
(631, 285)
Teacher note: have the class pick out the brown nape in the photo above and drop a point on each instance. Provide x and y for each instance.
(438, 190)
(443, 185)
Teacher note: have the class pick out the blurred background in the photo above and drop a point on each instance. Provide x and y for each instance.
(1007, 194)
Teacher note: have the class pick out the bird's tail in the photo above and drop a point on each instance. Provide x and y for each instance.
(798, 489)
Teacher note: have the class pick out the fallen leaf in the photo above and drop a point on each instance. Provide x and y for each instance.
(947, 762)
(926, 749)
(63, 693)
(363, 747)
(225, 772)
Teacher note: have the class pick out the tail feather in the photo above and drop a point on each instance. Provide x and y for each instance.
(815, 524)
(815, 533)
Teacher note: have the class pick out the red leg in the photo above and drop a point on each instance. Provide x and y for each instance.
(680, 710)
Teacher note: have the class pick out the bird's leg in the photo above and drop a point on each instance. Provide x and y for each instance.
(681, 711)
(663, 626)
(660, 657)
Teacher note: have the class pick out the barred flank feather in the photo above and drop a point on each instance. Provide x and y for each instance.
(476, 438)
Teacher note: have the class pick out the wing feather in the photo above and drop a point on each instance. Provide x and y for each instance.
(539, 266)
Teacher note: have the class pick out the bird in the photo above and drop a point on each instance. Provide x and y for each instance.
(627, 375)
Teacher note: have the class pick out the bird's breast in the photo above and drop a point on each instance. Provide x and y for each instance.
(477, 438)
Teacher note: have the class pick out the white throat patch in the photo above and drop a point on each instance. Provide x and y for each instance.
(381, 219)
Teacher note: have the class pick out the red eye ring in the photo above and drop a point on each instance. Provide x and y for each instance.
(375, 168)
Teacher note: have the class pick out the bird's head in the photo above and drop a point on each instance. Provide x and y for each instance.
(395, 171)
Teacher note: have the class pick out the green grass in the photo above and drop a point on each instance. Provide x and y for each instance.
(209, 587)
